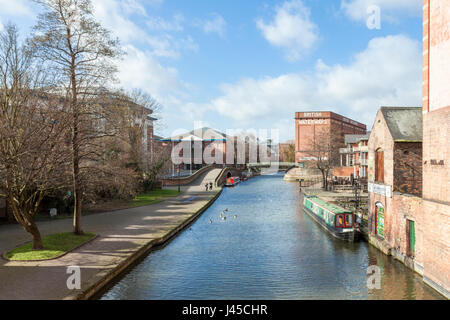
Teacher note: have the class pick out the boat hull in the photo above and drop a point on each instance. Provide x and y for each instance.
(339, 233)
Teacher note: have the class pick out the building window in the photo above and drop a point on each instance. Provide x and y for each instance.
(379, 166)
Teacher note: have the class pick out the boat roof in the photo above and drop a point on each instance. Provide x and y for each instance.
(333, 208)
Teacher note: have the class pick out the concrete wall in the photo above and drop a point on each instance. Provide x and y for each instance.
(185, 180)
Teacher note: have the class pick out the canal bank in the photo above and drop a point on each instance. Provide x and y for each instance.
(113, 275)
(125, 236)
(266, 248)
(376, 242)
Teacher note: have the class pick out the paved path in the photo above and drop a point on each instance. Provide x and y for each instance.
(121, 234)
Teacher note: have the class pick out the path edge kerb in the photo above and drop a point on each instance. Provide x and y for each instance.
(116, 272)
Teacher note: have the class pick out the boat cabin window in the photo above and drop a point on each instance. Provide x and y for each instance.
(349, 220)
(340, 220)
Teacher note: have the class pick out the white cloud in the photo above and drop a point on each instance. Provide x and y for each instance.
(120, 17)
(291, 29)
(139, 69)
(158, 23)
(216, 25)
(357, 9)
(114, 15)
(1, 27)
(377, 76)
(165, 45)
(15, 8)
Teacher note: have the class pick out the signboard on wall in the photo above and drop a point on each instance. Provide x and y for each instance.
(321, 121)
(380, 189)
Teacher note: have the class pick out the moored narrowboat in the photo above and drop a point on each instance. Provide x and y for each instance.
(336, 220)
(233, 181)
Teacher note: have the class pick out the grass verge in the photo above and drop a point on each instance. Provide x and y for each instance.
(55, 245)
(144, 199)
(152, 197)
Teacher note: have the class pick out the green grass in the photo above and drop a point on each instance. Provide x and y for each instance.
(152, 197)
(54, 246)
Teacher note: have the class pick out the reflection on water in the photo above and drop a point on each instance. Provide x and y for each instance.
(271, 250)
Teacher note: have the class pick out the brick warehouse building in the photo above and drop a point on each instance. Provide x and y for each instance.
(310, 124)
(395, 184)
(436, 136)
(415, 228)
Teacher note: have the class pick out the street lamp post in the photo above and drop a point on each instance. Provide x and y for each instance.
(178, 171)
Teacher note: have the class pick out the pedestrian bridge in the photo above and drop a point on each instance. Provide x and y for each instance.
(279, 165)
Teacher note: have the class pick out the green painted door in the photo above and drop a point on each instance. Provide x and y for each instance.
(412, 237)
(380, 221)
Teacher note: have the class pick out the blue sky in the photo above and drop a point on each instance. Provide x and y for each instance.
(252, 64)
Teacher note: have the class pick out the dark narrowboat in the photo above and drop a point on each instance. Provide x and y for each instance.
(336, 220)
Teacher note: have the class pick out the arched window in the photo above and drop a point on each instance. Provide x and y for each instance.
(379, 165)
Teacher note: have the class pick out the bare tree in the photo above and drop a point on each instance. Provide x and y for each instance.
(148, 157)
(287, 152)
(71, 41)
(324, 152)
(33, 132)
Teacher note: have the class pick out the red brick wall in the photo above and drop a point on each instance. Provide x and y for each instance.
(436, 224)
(406, 207)
(398, 210)
(150, 134)
(436, 135)
(343, 171)
(306, 128)
(408, 168)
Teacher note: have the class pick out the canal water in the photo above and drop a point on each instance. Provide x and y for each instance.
(267, 248)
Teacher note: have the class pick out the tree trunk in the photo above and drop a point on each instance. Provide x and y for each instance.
(37, 240)
(31, 227)
(75, 149)
(77, 214)
(324, 180)
(27, 222)
(77, 194)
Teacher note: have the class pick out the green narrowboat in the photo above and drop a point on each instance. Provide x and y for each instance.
(336, 220)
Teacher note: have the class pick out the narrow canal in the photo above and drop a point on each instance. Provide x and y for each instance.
(270, 250)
